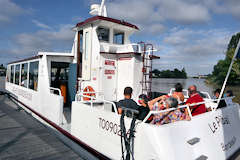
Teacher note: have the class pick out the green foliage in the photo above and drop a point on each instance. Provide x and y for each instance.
(221, 68)
(2, 70)
(169, 74)
(2, 66)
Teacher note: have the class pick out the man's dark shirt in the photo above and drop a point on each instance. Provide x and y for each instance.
(128, 103)
(143, 112)
(222, 104)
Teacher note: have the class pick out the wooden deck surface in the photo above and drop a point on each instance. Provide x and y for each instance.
(22, 137)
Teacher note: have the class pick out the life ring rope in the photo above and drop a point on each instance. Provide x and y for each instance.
(90, 92)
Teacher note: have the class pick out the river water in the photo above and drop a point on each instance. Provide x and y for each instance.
(165, 84)
(161, 84)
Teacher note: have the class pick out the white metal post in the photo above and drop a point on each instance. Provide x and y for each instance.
(101, 8)
(228, 73)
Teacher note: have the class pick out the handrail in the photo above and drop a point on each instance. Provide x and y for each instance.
(183, 106)
(101, 100)
(56, 89)
(207, 94)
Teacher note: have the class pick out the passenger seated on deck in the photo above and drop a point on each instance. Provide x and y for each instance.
(170, 116)
(178, 93)
(194, 97)
(143, 108)
(127, 102)
(222, 102)
(229, 93)
(158, 103)
(228, 100)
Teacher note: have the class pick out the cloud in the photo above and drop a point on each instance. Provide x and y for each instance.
(151, 11)
(41, 25)
(27, 44)
(182, 12)
(196, 50)
(9, 10)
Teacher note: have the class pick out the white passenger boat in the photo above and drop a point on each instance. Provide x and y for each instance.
(74, 94)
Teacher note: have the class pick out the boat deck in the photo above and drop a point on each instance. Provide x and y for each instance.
(23, 137)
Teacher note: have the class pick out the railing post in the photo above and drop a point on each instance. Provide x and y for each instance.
(189, 112)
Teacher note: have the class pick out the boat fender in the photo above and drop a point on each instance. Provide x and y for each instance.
(89, 91)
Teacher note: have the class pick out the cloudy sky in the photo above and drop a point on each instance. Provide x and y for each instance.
(188, 33)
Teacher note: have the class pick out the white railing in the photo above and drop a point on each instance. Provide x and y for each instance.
(52, 89)
(120, 48)
(93, 100)
(78, 96)
(207, 95)
(123, 48)
(185, 106)
(185, 93)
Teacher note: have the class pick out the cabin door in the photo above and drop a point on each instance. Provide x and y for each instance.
(87, 55)
(110, 80)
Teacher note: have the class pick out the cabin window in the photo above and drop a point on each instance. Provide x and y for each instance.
(103, 34)
(24, 75)
(33, 75)
(12, 73)
(17, 74)
(118, 37)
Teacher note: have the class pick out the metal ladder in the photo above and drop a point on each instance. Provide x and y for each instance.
(147, 54)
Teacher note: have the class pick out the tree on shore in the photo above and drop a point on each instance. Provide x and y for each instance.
(220, 69)
(169, 74)
(2, 66)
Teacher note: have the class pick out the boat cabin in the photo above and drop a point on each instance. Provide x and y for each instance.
(101, 64)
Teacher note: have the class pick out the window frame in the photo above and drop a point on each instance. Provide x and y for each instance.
(12, 73)
(29, 67)
(118, 32)
(109, 32)
(16, 65)
(26, 75)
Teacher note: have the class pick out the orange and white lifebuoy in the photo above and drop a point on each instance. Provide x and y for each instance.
(86, 93)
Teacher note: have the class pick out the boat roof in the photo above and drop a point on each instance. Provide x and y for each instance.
(96, 18)
(26, 59)
(40, 54)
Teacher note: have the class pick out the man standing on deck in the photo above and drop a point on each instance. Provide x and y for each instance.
(194, 97)
(127, 102)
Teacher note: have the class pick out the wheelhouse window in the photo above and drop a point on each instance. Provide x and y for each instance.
(17, 74)
(103, 34)
(118, 37)
(12, 74)
(33, 75)
(24, 75)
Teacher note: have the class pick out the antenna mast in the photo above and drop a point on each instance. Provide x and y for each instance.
(99, 10)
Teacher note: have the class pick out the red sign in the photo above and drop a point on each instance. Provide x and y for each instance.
(110, 63)
(109, 72)
(109, 77)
